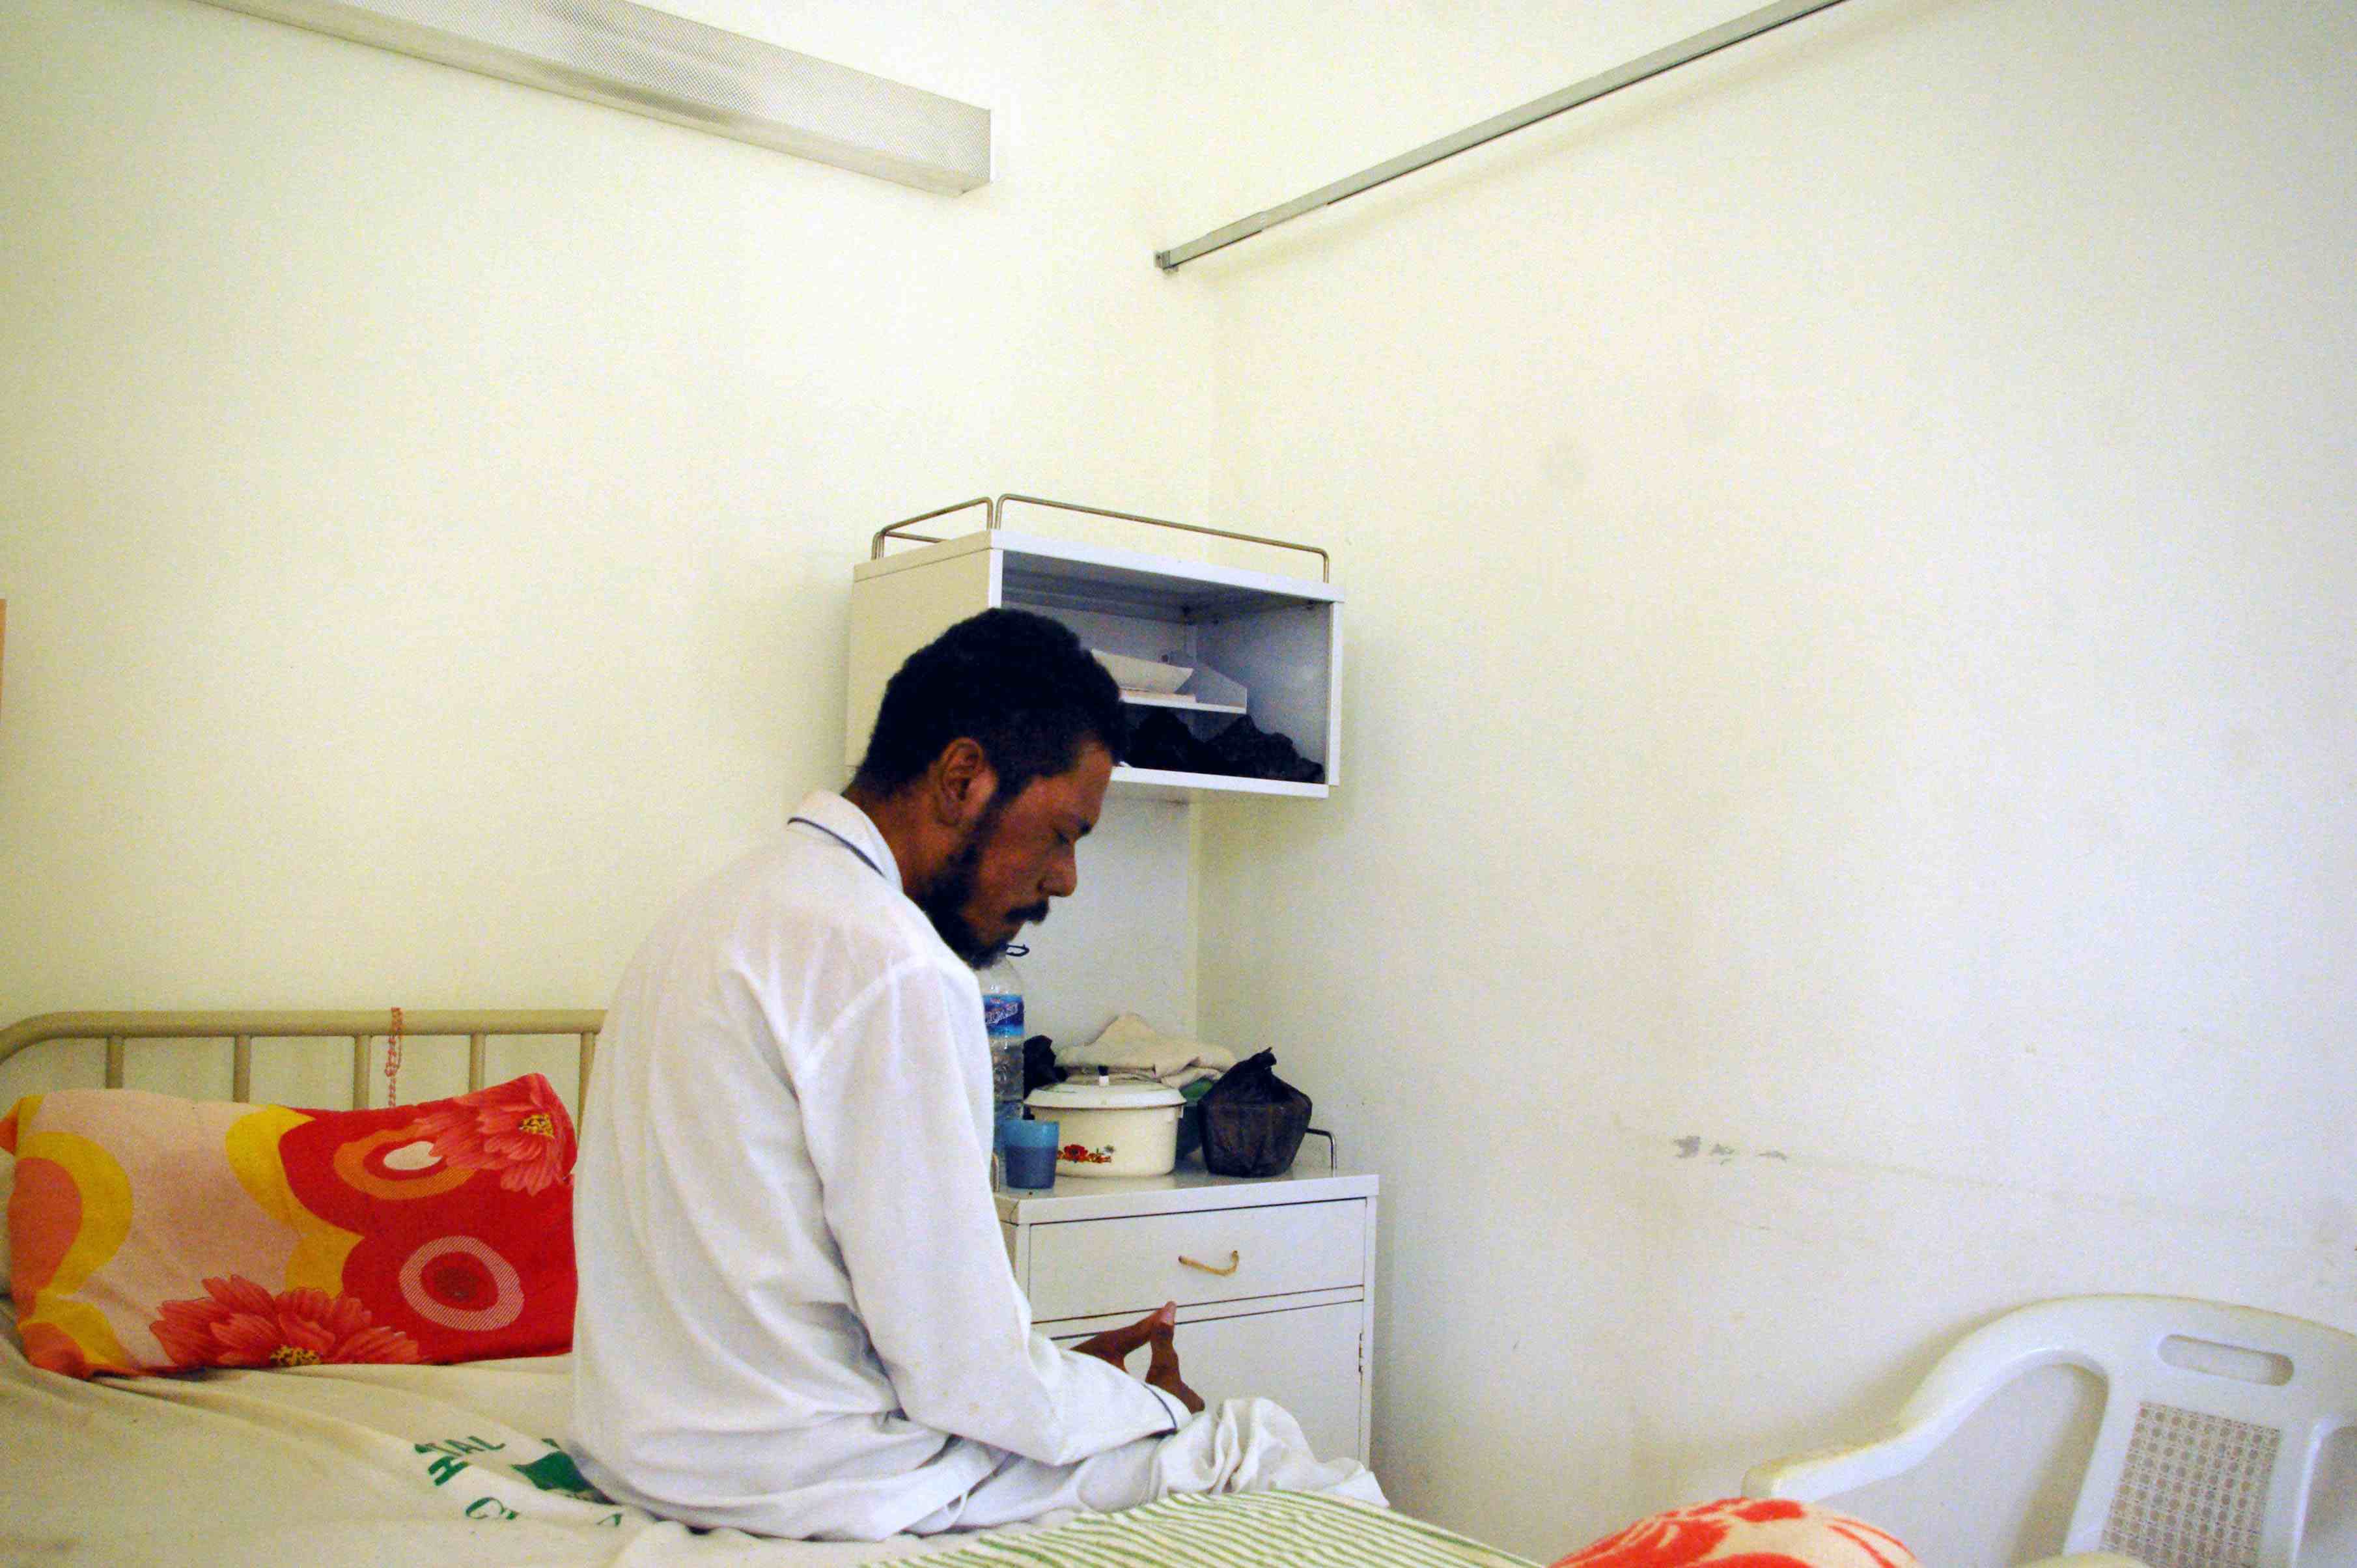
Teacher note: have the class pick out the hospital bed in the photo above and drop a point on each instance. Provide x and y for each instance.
(464, 1463)
(470, 1463)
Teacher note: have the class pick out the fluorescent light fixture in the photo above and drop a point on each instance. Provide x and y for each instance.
(651, 62)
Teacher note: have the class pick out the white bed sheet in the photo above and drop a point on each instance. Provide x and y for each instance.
(334, 1466)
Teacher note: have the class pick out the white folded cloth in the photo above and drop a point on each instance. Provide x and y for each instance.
(1130, 1044)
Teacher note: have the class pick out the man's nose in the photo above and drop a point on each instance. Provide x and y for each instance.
(1063, 877)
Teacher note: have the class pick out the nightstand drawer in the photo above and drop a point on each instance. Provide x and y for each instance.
(1089, 1268)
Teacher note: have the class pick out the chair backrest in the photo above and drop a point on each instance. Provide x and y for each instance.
(2213, 1419)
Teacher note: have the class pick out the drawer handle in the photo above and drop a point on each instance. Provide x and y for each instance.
(1235, 1262)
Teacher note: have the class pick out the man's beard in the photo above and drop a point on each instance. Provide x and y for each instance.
(945, 898)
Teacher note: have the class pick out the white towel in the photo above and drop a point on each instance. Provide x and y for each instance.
(1130, 1044)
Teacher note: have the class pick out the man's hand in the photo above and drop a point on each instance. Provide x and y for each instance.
(1118, 1345)
(1155, 1329)
(1162, 1371)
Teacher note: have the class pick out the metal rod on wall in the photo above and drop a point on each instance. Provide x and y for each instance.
(1765, 19)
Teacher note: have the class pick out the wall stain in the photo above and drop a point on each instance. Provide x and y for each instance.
(2306, 1250)
(1690, 1147)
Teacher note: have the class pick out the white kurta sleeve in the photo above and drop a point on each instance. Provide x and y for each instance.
(892, 1129)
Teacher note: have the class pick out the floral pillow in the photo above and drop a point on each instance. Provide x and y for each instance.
(8, 1185)
(153, 1234)
(1746, 1532)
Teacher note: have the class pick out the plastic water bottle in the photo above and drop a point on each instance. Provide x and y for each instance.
(1002, 1019)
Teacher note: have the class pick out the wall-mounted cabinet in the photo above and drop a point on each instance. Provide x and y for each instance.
(1278, 638)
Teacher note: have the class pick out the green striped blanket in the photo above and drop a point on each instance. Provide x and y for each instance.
(1243, 1529)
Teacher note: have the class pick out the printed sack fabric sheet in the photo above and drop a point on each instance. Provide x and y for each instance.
(1746, 1532)
(153, 1234)
(333, 1466)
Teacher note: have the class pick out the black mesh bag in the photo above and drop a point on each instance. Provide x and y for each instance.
(1252, 1121)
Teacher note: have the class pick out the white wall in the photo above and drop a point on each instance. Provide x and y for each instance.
(1852, 819)
(428, 504)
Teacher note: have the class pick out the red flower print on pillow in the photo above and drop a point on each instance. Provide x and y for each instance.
(1745, 1532)
(519, 1129)
(1664, 1541)
(238, 1323)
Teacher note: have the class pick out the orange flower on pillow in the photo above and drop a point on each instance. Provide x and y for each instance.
(1745, 1532)
(238, 1323)
(519, 1129)
(1664, 1541)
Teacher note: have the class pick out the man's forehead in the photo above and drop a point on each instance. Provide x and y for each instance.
(1074, 798)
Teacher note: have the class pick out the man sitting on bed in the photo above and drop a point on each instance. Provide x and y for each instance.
(796, 1313)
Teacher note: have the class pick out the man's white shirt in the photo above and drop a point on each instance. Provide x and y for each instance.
(796, 1313)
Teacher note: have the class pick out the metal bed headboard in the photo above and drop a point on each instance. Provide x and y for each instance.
(242, 1027)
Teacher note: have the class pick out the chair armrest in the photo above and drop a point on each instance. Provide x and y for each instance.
(1816, 1474)
(1975, 1366)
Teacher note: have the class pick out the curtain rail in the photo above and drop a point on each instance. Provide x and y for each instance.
(1685, 52)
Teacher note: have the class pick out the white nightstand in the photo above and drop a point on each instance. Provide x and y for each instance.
(1272, 1279)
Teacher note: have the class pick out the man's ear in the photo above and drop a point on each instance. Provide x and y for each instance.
(960, 784)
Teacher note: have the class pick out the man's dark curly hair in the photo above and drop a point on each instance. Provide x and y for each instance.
(1017, 684)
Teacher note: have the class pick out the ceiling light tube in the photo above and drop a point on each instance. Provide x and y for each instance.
(651, 62)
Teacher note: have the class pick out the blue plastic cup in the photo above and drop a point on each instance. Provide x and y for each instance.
(1006, 1114)
(1029, 1151)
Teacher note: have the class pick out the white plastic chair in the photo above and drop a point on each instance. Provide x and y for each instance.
(2214, 1418)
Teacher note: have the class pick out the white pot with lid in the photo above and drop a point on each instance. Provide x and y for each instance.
(1111, 1126)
